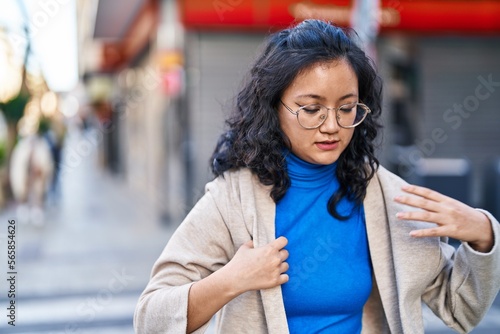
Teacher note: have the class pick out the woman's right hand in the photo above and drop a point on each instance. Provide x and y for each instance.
(258, 268)
(250, 269)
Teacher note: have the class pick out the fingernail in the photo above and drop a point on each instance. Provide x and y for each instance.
(399, 215)
(397, 198)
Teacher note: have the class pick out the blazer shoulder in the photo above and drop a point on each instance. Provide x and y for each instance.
(389, 179)
(236, 185)
(232, 179)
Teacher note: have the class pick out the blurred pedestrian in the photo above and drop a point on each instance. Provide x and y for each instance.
(54, 135)
(302, 231)
(31, 172)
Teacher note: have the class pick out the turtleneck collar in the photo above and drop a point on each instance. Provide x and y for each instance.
(304, 174)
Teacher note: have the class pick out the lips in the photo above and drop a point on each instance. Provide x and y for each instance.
(327, 145)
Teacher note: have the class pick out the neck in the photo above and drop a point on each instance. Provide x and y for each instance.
(308, 175)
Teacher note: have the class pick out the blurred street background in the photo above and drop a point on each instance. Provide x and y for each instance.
(110, 110)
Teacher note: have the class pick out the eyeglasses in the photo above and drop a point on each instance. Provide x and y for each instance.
(348, 116)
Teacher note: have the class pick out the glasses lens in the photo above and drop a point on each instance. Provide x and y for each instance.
(351, 114)
(312, 116)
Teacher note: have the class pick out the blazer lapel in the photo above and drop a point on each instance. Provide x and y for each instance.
(263, 233)
(379, 241)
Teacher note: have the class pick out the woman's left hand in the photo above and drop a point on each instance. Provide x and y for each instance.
(454, 219)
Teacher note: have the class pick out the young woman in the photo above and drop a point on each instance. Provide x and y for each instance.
(302, 231)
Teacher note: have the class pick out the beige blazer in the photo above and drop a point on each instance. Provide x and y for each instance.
(459, 286)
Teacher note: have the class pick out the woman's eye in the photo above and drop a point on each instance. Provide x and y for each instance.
(311, 109)
(347, 109)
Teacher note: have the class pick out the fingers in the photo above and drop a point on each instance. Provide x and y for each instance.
(284, 267)
(424, 216)
(424, 192)
(418, 202)
(283, 278)
(429, 232)
(429, 201)
(279, 243)
(283, 254)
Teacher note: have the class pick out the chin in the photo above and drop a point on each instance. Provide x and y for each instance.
(322, 160)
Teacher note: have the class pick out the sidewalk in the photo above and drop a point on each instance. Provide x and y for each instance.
(84, 269)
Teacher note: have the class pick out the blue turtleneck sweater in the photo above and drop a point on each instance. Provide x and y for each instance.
(330, 270)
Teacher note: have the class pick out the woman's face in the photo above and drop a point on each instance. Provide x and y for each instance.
(331, 84)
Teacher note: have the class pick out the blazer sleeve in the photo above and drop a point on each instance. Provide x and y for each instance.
(201, 245)
(466, 283)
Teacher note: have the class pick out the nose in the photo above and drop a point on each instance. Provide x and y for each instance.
(330, 125)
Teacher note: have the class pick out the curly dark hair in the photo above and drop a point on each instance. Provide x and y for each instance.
(254, 138)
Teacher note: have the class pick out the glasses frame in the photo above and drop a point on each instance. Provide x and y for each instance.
(337, 116)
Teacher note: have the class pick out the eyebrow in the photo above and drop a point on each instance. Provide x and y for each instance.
(322, 98)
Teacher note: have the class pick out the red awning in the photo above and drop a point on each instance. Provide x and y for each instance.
(420, 16)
